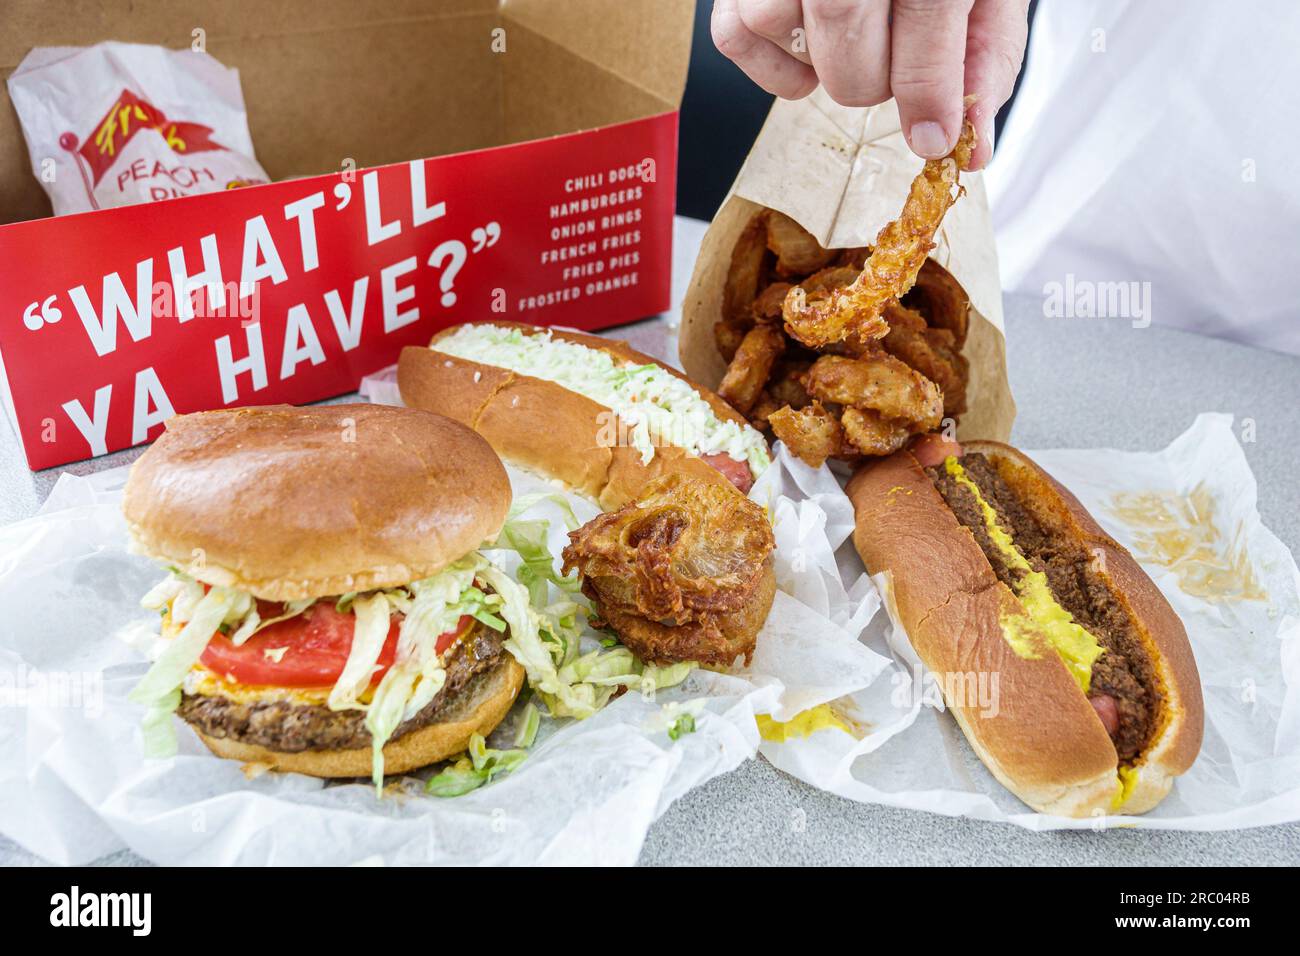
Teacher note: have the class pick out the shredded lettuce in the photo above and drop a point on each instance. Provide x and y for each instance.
(528, 539)
(529, 722)
(477, 767)
(368, 637)
(676, 718)
(431, 607)
(667, 675)
(484, 616)
(682, 724)
(159, 689)
(537, 565)
(169, 670)
(547, 644)
(254, 623)
(525, 503)
(156, 729)
(417, 673)
(454, 781)
(546, 640)
(178, 594)
(187, 599)
(247, 628)
(164, 592)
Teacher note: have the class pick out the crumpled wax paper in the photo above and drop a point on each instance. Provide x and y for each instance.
(74, 784)
(1188, 514)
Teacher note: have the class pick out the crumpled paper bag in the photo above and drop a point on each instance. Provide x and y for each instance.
(1188, 514)
(843, 173)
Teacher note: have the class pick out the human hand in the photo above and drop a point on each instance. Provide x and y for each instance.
(927, 54)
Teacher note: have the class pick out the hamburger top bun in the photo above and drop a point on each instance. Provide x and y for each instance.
(293, 503)
(544, 427)
(483, 704)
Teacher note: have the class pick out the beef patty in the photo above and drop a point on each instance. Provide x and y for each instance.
(1125, 671)
(287, 727)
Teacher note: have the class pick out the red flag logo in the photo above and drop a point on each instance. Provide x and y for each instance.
(128, 116)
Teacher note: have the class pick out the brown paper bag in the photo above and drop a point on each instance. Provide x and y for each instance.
(843, 173)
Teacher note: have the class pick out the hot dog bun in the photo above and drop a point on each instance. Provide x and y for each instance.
(1043, 740)
(542, 426)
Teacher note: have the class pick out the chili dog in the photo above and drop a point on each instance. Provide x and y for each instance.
(995, 568)
(592, 412)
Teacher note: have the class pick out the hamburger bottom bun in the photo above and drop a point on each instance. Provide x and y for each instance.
(478, 712)
(545, 428)
(293, 503)
(1044, 742)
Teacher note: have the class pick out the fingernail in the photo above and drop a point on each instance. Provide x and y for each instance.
(929, 140)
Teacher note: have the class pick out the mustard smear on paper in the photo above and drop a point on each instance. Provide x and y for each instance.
(1181, 533)
(802, 724)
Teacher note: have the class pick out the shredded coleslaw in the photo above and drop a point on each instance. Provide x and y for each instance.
(657, 406)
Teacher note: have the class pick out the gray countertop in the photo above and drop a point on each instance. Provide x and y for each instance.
(1078, 383)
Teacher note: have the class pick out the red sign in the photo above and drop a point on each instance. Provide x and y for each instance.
(112, 321)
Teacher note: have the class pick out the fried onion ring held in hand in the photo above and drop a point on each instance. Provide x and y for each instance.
(751, 366)
(685, 557)
(878, 382)
(812, 434)
(900, 250)
(821, 283)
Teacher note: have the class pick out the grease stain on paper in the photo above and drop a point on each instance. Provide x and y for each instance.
(1182, 533)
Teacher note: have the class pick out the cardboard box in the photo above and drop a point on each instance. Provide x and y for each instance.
(546, 192)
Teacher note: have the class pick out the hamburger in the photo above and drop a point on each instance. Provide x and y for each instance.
(327, 610)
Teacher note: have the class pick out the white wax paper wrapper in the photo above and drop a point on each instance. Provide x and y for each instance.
(121, 123)
(1199, 491)
(74, 785)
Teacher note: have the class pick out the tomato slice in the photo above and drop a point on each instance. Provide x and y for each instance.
(317, 644)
